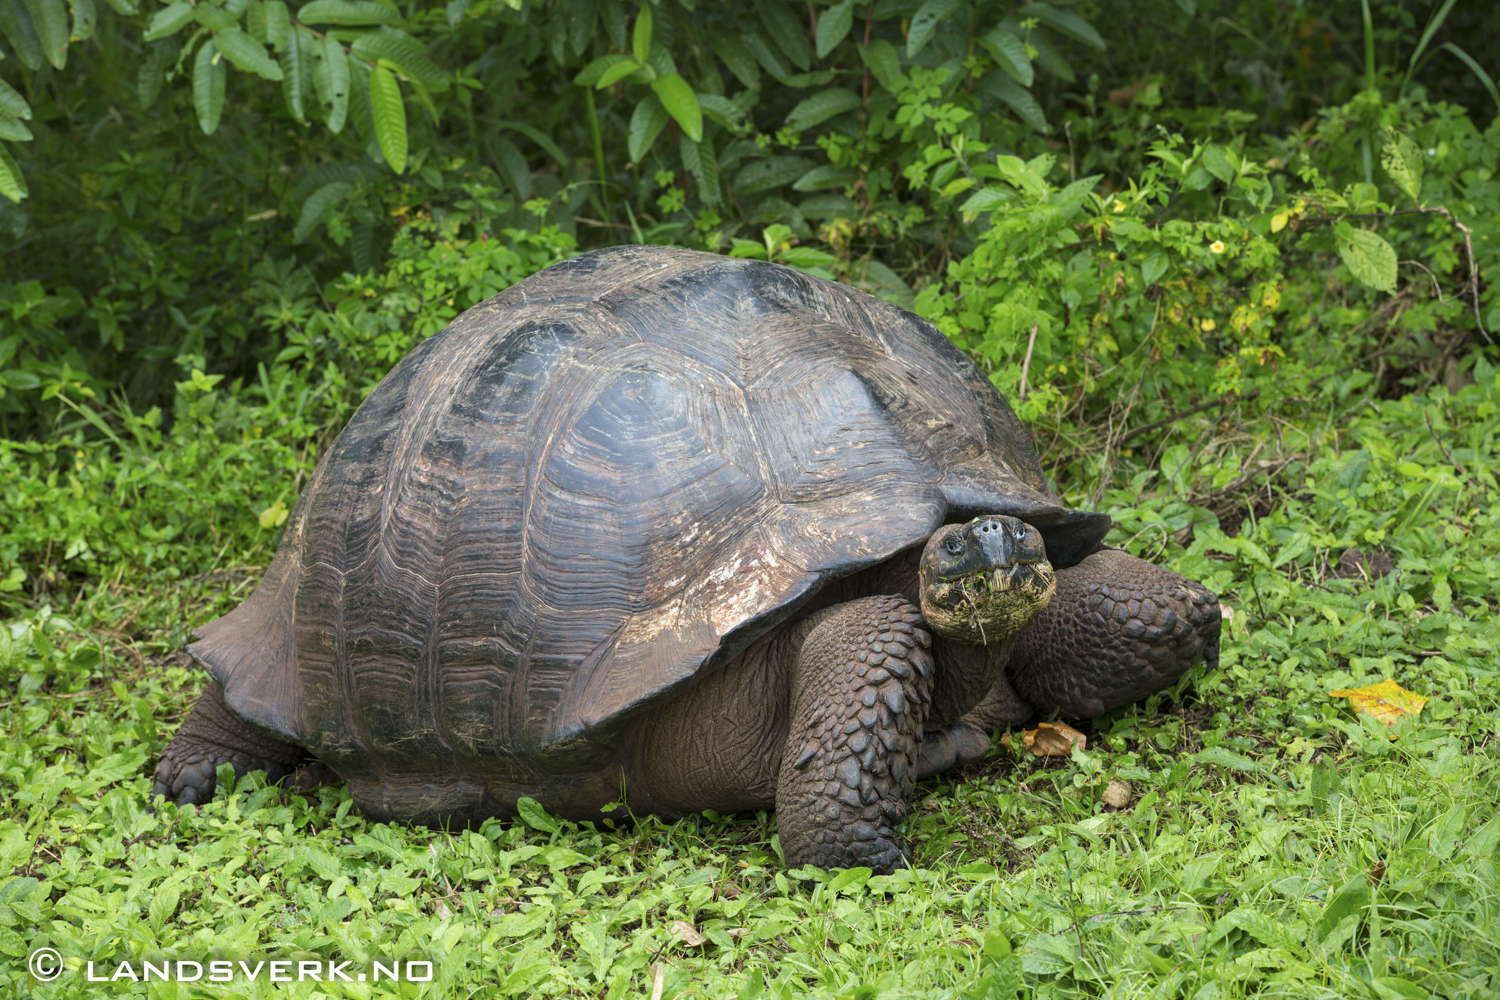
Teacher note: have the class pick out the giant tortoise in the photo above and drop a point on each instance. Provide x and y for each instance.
(687, 530)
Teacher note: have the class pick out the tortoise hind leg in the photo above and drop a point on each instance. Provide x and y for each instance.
(213, 735)
(862, 684)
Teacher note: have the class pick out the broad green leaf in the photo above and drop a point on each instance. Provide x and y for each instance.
(721, 109)
(612, 13)
(84, 19)
(167, 21)
(50, 18)
(849, 878)
(1402, 160)
(296, 67)
(825, 177)
(208, 87)
(148, 83)
(12, 129)
(833, 25)
(13, 102)
(389, 116)
(510, 164)
(820, 107)
(1189, 7)
(314, 206)
(534, 816)
(1353, 897)
(646, 123)
(987, 198)
(1010, 55)
(405, 52)
(787, 30)
(1155, 265)
(539, 137)
(12, 185)
(331, 78)
(1216, 161)
(246, 53)
(350, 12)
(770, 173)
(590, 74)
(1050, 59)
(278, 24)
(15, 23)
(640, 42)
(700, 162)
(681, 103)
(617, 72)
(999, 85)
(925, 22)
(581, 16)
(728, 47)
(127, 8)
(255, 20)
(1445, 832)
(1065, 21)
(214, 18)
(768, 59)
(1370, 259)
(884, 61)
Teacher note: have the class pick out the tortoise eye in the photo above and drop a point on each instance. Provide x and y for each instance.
(953, 544)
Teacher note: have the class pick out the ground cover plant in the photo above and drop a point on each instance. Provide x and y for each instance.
(1231, 262)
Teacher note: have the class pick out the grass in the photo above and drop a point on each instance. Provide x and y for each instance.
(1275, 844)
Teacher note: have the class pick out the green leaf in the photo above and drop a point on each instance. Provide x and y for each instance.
(761, 50)
(331, 78)
(84, 19)
(1445, 832)
(214, 18)
(1369, 258)
(617, 72)
(12, 184)
(987, 198)
(314, 206)
(12, 129)
(13, 102)
(405, 52)
(646, 123)
(539, 137)
(1050, 59)
(510, 164)
(681, 103)
(999, 85)
(581, 16)
(728, 47)
(1402, 160)
(818, 108)
(15, 23)
(1010, 55)
(278, 25)
(167, 21)
(148, 83)
(590, 74)
(699, 161)
(351, 12)
(884, 61)
(770, 173)
(1189, 7)
(50, 18)
(612, 13)
(296, 67)
(849, 878)
(246, 53)
(786, 31)
(1216, 161)
(925, 22)
(833, 26)
(208, 87)
(389, 116)
(825, 177)
(640, 41)
(721, 109)
(1155, 265)
(1065, 21)
(1353, 897)
(534, 816)
(125, 8)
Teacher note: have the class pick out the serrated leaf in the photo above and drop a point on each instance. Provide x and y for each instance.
(681, 103)
(728, 47)
(770, 173)
(12, 129)
(278, 24)
(925, 22)
(405, 52)
(388, 115)
(208, 87)
(314, 206)
(15, 23)
(350, 12)
(50, 19)
(1402, 160)
(331, 79)
(84, 19)
(296, 66)
(167, 21)
(12, 183)
(246, 53)
(1370, 259)
(999, 85)
(1064, 21)
(833, 26)
(884, 61)
(640, 39)
(818, 108)
(1010, 55)
(646, 123)
(12, 101)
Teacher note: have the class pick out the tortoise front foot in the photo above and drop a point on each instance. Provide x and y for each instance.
(1117, 630)
(213, 735)
(862, 685)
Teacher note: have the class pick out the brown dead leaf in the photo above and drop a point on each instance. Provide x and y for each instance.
(686, 933)
(737, 932)
(1226, 612)
(730, 891)
(1387, 701)
(1053, 739)
(1117, 795)
(1123, 96)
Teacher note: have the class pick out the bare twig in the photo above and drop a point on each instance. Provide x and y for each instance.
(1026, 364)
(1444, 448)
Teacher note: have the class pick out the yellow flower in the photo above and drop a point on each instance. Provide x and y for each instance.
(1207, 325)
(1217, 246)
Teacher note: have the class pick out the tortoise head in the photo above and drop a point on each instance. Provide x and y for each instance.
(983, 581)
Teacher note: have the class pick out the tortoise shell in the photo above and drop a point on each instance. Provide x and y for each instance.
(608, 479)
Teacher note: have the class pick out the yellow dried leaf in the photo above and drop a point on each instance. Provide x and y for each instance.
(686, 933)
(1387, 701)
(1053, 739)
